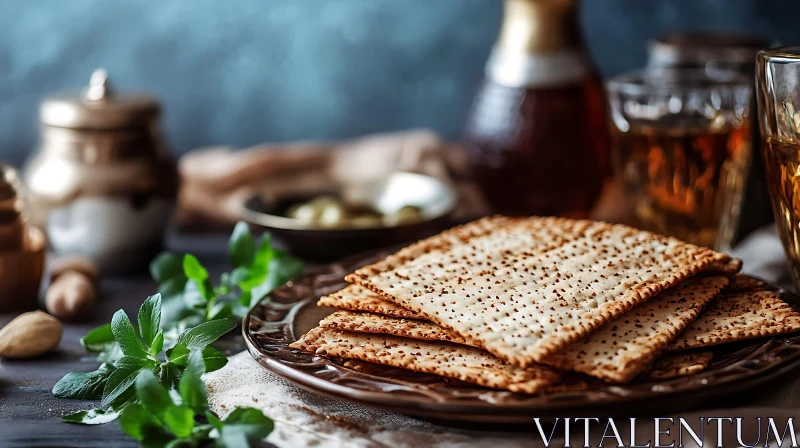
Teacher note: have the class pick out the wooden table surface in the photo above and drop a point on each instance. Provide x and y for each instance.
(29, 414)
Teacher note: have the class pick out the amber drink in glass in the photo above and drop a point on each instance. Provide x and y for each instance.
(681, 148)
(778, 95)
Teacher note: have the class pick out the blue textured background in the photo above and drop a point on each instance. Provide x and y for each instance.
(245, 71)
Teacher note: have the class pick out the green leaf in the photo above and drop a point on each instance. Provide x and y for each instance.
(126, 336)
(98, 339)
(245, 299)
(264, 253)
(199, 337)
(91, 416)
(150, 319)
(151, 393)
(178, 355)
(193, 269)
(192, 388)
(169, 374)
(158, 343)
(240, 245)
(213, 359)
(83, 385)
(131, 363)
(239, 275)
(166, 266)
(118, 383)
(139, 423)
(281, 270)
(101, 341)
(245, 424)
(220, 310)
(172, 288)
(179, 420)
(214, 420)
(194, 295)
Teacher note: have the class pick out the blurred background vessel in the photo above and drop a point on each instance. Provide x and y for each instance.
(102, 183)
(536, 137)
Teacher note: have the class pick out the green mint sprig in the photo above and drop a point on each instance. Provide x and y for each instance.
(159, 420)
(191, 296)
(128, 351)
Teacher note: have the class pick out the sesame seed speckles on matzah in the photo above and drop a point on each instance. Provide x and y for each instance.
(736, 316)
(627, 345)
(525, 288)
(356, 298)
(376, 323)
(674, 365)
(460, 362)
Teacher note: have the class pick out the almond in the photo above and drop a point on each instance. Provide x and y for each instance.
(30, 335)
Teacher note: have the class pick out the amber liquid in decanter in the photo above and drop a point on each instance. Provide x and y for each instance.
(537, 135)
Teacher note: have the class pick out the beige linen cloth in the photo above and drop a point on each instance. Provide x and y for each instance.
(305, 419)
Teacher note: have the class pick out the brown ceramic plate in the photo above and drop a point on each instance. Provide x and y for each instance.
(271, 326)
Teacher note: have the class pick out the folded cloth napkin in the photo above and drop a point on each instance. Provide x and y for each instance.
(215, 181)
(306, 419)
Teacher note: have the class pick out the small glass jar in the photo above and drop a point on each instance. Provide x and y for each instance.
(102, 183)
(714, 51)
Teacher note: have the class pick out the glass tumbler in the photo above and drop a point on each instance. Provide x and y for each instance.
(778, 85)
(681, 148)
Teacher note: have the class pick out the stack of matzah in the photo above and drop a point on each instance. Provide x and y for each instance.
(512, 303)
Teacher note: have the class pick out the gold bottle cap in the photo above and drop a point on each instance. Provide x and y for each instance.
(99, 107)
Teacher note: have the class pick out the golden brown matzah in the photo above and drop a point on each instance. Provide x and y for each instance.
(674, 365)
(735, 316)
(744, 283)
(356, 298)
(525, 288)
(395, 326)
(440, 358)
(617, 352)
(627, 345)
(396, 373)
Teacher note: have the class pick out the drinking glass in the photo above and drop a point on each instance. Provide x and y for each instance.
(778, 84)
(681, 147)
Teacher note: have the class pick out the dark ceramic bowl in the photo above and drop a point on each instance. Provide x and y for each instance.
(435, 199)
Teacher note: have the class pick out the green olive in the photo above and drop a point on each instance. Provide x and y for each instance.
(303, 212)
(406, 215)
(332, 215)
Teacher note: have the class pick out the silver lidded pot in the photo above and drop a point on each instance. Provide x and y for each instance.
(102, 183)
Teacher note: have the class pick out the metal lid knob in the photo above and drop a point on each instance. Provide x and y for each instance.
(99, 107)
(99, 86)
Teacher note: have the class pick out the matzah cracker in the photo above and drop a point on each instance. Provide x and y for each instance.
(440, 358)
(627, 345)
(356, 298)
(729, 267)
(745, 283)
(529, 287)
(396, 373)
(736, 316)
(675, 365)
(375, 323)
